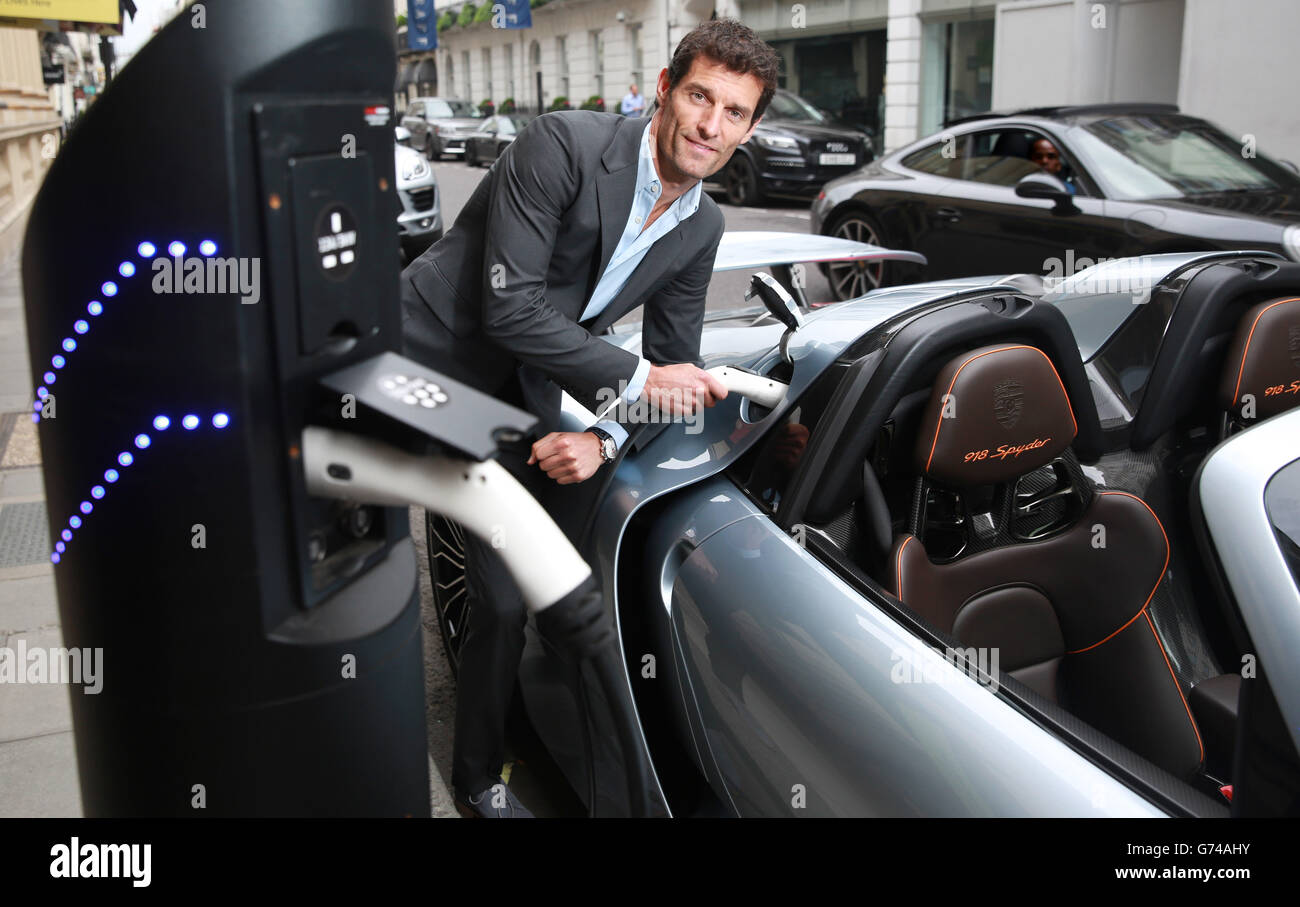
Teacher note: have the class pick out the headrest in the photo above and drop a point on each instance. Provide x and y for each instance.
(1264, 360)
(994, 414)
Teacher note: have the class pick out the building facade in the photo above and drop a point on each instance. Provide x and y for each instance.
(29, 131)
(899, 69)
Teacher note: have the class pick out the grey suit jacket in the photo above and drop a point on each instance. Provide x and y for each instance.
(502, 292)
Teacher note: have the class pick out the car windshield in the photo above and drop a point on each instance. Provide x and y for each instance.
(1152, 156)
(439, 108)
(792, 107)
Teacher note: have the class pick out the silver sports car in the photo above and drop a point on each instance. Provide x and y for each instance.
(1006, 547)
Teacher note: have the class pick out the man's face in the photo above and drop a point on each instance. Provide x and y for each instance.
(703, 120)
(1045, 155)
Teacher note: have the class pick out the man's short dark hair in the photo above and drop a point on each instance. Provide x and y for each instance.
(733, 45)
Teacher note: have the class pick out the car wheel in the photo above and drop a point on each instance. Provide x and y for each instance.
(852, 279)
(742, 182)
(428, 148)
(471, 159)
(446, 543)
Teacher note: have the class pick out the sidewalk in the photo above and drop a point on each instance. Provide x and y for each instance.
(38, 764)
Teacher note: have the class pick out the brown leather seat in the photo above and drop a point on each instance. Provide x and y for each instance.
(1068, 612)
(1262, 369)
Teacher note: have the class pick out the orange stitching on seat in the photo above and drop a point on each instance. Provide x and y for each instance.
(1158, 578)
(1004, 349)
(1186, 708)
(898, 566)
(1246, 351)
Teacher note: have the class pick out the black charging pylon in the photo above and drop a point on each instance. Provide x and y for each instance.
(216, 234)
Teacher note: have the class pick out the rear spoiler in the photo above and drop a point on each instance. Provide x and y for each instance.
(740, 249)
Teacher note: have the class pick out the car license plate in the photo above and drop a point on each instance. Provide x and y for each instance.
(832, 160)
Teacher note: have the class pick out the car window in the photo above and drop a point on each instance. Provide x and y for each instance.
(415, 110)
(791, 107)
(1153, 156)
(507, 126)
(941, 158)
(440, 107)
(491, 127)
(1002, 157)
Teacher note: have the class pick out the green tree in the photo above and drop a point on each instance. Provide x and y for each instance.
(483, 13)
(466, 15)
(446, 20)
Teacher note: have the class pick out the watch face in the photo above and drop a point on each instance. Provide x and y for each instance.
(608, 448)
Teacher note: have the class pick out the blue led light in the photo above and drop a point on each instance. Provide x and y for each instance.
(66, 535)
(125, 458)
(161, 423)
(81, 325)
(97, 492)
(58, 362)
(208, 247)
(111, 475)
(95, 307)
(220, 420)
(42, 393)
(36, 417)
(49, 377)
(86, 507)
(37, 406)
(190, 422)
(60, 547)
(109, 288)
(176, 248)
(126, 269)
(146, 249)
(54, 556)
(74, 522)
(69, 344)
(142, 441)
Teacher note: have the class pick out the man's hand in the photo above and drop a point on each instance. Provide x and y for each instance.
(681, 389)
(568, 457)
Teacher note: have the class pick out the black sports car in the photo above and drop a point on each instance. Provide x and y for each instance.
(1050, 191)
(493, 137)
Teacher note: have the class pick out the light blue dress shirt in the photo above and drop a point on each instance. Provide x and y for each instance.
(631, 248)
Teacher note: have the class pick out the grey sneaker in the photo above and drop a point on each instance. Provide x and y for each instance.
(497, 802)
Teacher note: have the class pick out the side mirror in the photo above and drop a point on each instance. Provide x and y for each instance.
(402, 134)
(1046, 186)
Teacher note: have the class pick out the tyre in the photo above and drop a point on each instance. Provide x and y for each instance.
(445, 540)
(742, 182)
(428, 148)
(852, 279)
(471, 159)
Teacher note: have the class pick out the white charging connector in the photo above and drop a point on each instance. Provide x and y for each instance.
(483, 497)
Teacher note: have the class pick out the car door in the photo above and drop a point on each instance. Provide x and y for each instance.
(1247, 496)
(985, 228)
(806, 695)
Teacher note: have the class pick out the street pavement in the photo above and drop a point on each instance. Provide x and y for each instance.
(38, 767)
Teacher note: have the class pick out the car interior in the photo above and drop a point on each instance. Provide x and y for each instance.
(973, 482)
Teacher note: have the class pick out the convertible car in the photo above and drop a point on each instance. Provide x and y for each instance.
(1001, 549)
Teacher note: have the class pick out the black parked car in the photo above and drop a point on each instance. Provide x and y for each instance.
(987, 195)
(494, 135)
(793, 152)
(438, 126)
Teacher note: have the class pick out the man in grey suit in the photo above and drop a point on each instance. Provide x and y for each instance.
(583, 218)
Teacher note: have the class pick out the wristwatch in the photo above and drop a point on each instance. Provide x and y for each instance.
(608, 446)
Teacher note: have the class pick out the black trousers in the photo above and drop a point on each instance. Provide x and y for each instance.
(493, 643)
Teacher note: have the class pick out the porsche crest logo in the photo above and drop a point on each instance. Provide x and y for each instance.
(1008, 402)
